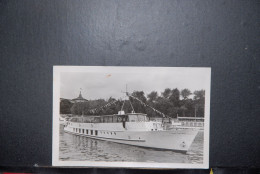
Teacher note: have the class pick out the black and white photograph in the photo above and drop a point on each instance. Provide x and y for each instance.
(136, 117)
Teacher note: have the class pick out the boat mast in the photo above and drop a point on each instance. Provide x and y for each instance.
(127, 95)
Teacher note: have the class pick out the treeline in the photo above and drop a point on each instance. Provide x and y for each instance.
(171, 102)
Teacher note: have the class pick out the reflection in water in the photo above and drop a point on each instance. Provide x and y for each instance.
(77, 148)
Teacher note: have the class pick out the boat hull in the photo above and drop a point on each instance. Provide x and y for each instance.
(175, 139)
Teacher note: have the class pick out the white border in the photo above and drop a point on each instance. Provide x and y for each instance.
(56, 99)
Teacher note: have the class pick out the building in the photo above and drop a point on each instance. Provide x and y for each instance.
(79, 99)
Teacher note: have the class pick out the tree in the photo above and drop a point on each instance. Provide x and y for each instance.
(97, 104)
(183, 109)
(80, 108)
(65, 106)
(199, 100)
(112, 109)
(185, 93)
(175, 97)
(199, 95)
(165, 106)
(111, 99)
(190, 105)
(166, 93)
(169, 103)
(140, 95)
(138, 107)
(76, 109)
(153, 96)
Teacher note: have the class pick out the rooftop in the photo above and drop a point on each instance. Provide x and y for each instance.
(80, 98)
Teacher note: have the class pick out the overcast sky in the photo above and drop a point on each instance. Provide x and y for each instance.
(110, 82)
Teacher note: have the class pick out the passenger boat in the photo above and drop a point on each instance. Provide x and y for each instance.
(132, 129)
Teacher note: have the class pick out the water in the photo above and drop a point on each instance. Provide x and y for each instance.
(77, 148)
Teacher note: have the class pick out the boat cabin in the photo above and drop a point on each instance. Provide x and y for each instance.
(132, 117)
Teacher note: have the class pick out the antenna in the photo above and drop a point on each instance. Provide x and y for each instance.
(125, 90)
(124, 99)
(127, 95)
(80, 90)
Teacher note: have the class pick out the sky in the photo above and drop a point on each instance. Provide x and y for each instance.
(105, 82)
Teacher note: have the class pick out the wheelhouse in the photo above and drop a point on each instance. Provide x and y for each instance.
(137, 117)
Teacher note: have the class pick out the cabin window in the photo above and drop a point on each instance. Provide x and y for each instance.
(137, 118)
(86, 131)
(76, 129)
(105, 119)
(110, 119)
(132, 118)
(91, 132)
(97, 120)
(96, 132)
(79, 130)
(83, 131)
(114, 119)
(73, 129)
(141, 118)
(114, 133)
(86, 120)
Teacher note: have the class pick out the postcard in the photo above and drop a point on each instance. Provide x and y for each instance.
(131, 117)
